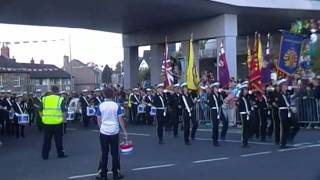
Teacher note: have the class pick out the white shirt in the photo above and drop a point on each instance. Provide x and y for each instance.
(109, 112)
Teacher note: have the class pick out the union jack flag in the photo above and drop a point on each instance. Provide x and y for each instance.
(167, 73)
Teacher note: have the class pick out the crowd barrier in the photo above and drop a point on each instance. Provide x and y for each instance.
(308, 110)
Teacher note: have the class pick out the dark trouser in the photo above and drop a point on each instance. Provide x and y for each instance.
(38, 120)
(225, 125)
(49, 132)
(160, 123)
(18, 128)
(294, 128)
(85, 119)
(255, 121)
(270, 127)
(134, 114)
(186, 120)
(215, 125)
(245, 129)
(149, 118)
(284, 127)
(109, 143)
(276, 125)
(2, 124)
(174, 118)
(263, 113)
(9, 126)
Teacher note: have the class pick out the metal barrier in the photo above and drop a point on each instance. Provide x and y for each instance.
(308, 110)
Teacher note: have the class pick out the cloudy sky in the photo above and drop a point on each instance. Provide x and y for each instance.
(86, 45)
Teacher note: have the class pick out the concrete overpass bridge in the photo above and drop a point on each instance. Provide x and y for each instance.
(147, 22)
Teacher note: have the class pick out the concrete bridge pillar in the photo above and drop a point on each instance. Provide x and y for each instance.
(131, 66)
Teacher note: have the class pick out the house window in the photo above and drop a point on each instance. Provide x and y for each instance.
(17, 82)
(37, 82)
(45, 81)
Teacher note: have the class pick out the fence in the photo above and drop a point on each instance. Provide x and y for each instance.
(308, 110)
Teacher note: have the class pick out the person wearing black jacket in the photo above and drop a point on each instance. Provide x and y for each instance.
(175, 108)
(244, 107)
(160, 104)
(148, 100)
(84, 102)
(262, 103)
(20, 107)
(135, 101)
(215, 107)
(189, 114)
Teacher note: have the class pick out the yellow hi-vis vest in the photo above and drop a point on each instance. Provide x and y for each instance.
(52, 113)
(129, 101)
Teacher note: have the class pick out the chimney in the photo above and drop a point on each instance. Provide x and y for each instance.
(41, 61)
(5, 51)
(32, 61)
(65, 62)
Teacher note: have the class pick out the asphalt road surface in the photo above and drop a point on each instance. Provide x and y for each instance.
(21, 159)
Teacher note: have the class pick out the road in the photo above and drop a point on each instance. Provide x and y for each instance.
(20, 159)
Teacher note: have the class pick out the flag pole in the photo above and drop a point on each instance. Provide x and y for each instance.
(218, 50)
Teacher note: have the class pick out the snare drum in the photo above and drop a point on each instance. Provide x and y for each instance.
(70, 116)
(153, 111)
(23, 118)
(126, 147)
(141, 108)
(91, 111)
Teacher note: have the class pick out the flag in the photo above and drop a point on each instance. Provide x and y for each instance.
(248, 53)
(167, 68)
(290, 50)
(223, 67)
(192, 74)
(254, 70)
(260, 52)
(267, 65)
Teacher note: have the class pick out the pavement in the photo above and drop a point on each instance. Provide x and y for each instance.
(21, 159)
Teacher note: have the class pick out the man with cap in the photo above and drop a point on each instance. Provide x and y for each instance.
(84, 102)
(175, 106)
(64, 94)
(135, 101)
(215, 109)
(19, 107)
(189, 114)
(244, 107)
(285, 113)
(148, 100)
(275, 114)
(160, 104)
(8, 102)
(37, 104)
(53, 112)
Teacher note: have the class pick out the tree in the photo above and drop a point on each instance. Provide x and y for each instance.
(118, 69)
(106, 75)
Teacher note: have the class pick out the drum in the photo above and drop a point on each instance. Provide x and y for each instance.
(23, 118)
(126, 147)
(122, 110)
(153, 111)
(141, 108)
(70, 116)
(11, 115)
(91, 111)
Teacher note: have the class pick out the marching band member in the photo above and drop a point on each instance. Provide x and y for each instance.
(262, 103)
(135, 101)
(215, 107)
(37, 105)
(275, 114)
(9, 100)
(175, 106)
(20, 108)
(245, 112)
(189, 114)
(148, 100)
(160, 104)
(3, 111)
(84, 101)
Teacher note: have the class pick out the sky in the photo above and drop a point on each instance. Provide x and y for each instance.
(86, 45)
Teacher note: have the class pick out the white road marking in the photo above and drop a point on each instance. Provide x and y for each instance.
(235, 131)
(291, 149)
(133, 134)
(210, 160)
(85, 175)
(236, 141)
(72, 129)
(153, 167)
(313, 145)
(255, 154)
(302, 144)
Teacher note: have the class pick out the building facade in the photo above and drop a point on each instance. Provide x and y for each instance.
(27, 77)
(85, 76)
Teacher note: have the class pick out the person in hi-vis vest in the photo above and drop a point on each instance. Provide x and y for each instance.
(53, 112)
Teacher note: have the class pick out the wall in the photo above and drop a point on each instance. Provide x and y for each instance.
(9, 81)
